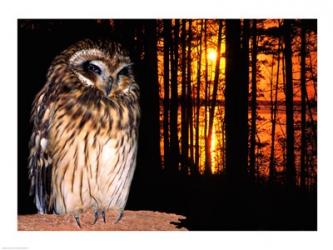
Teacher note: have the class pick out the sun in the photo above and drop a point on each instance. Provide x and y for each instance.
(211, 54)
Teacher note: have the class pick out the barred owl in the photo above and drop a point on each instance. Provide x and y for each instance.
(85, 119)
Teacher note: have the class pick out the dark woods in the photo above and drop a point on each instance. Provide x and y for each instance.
(229, 122)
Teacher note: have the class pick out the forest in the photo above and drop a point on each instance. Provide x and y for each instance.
(228, 134)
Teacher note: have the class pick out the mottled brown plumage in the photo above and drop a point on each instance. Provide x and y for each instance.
(85, 130)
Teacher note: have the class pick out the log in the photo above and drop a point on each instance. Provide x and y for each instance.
(131, 221)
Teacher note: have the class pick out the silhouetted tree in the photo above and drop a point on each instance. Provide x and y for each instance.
(150, 99)
(253, 100)
(166, 102)
(206, 91)
(183, 99)
(174, 142)
(244, 92)
(235, 103)
(198, 98)
(213, 102)
(184, 117)
(303, 105)
(274, 110)
(290, 165)
(189, 89)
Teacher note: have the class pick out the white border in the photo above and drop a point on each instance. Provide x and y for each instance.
(11, 10)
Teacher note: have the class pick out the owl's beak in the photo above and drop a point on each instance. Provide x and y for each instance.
(108, 87)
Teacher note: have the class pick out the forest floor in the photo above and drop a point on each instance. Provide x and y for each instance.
(131, 221)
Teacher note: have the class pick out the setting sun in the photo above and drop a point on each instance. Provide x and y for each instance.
(211, 54)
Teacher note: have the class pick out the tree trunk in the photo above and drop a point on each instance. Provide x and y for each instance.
(189, 91)
(166, 102)
(174, 142)
(274, 110)
(235, 106)
(213, 102)
(244, 94)
(290, 165)
(312, 122)
(184, 117)
(303, 106)
(150, 93)
(206, 93)
(253, 101)
(198, 99)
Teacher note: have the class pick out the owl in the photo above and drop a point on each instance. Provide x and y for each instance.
(84, 140)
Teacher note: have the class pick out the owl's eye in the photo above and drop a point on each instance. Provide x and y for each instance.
(93, 68)
(123, 72)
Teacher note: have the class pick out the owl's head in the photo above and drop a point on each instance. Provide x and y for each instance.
(103, 65)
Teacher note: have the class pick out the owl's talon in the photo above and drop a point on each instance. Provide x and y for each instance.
(103, 215)
(96, 217)
(77, 218)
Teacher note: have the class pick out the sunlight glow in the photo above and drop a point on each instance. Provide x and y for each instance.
(213, 151)
(212, 55)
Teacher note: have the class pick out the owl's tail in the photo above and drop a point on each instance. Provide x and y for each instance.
(40, 171)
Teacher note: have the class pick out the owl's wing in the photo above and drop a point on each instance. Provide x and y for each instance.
(40, 162)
